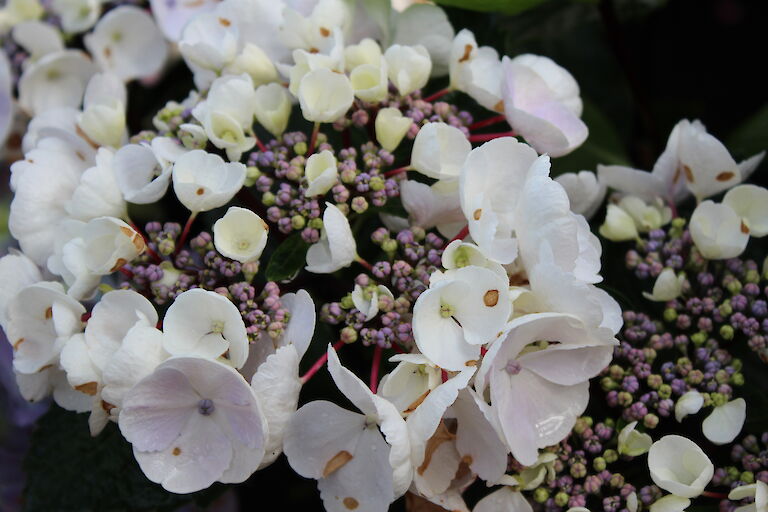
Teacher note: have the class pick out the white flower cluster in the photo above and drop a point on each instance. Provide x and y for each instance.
(508, 333)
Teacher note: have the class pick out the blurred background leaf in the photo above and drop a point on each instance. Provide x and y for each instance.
(502, 6)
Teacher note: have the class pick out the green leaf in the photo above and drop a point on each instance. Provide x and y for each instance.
(752, 136)
(288, 259)
(67, 469)
(503, 6)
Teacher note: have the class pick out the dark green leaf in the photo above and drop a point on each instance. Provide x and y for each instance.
(503, 6)
(67, 469)
(288, 259)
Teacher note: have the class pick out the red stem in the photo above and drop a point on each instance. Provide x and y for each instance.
(716, 495)
(484, 137)
(461, 234)
(320, 362)
(185, 233)
(127, 273)
(261, 145)
(364, 263)
(397, 171)
(437, 95)
(487, 122)
(673, 207)
(313, 139)
(375, 368)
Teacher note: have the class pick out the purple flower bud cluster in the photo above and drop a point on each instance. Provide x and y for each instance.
(750, 463)
(199, 265)
(278, 176)
(421, 111)
(412, 256)
(725, 300)
(582, 472)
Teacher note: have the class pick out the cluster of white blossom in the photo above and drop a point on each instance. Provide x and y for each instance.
(507, 335)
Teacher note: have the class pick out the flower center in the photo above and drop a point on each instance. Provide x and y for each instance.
(205, 407)
(243, 244)
(513, 367)
(217, 327)
(446, 310)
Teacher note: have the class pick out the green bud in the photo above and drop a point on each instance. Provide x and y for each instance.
(376, 183)
(561, 499)
(737, 364)
(268, 198)
(599, 464)
(654, 381)
(699, 338)
(752, 276)
(718, 399)
(578, 470)
(346, 302)
(610, 456)
(580, 426)
(616, 372)
(166, 247)
(348, 176)
(617, 480)
(389, 245)
(608, 384)
(721, 376)
(650, 420)
(665, 391)
(298, 222)
(316, 223)
(737, 379)
(733, 473)
(348, 335)
(625, 398)
(694, 377)
(678, 223)
(734, 286)
(747, 477)
(725, 308)
(726, 332)
(418, 233)
(540, 495)
(300, 148)
(670, 315)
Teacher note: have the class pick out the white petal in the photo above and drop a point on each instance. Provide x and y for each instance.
(717, 231)
(670, 503)
(633, 443)
(725, 422)
(679, 466)
(667, 286)
(750, 202)
(690, 403)
(476, 438)
(503, 499)
(440, 150)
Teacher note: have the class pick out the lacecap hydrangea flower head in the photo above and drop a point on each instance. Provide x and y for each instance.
(313, 140)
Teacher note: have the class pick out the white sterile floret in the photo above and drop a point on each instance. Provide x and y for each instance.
(633, 443)
(647, 217)
(310, 26)
(87, 251)
(410, 382)
(619, 226)
(692, 162)
(209, 41)
(476, 71)
(103, 117)
(41, 318)
(127, 42)
(725, 421)
(542, 104)
(504, 499)
(305, 62)
(668, 286)
(439, 151)
(435, 205)
(17, 271)
(18, 11)
(227, 114)
(204, 181)
(750, 202)
(325, 96)
(717, 231)
(321, 173)
(679, 466)
(38, 39)
(97, 194)
(548, 381)
(370, 82)
(205, 324)
(366, 299)
(757, 490)
(585, 192)
(467, 308)
(193, 422)
(670, 503)
(366, 52)
(77, 15)
(7, 108)
(336, 248)
(256, 63)
(426, 25)
(143, 172)
(408, 67)
(391, 126)
(491, 186)
(272, 106)
(171, 17)
(56, 80)
(359, 460)
(240, 234)
(460, 254)
(690, 403)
